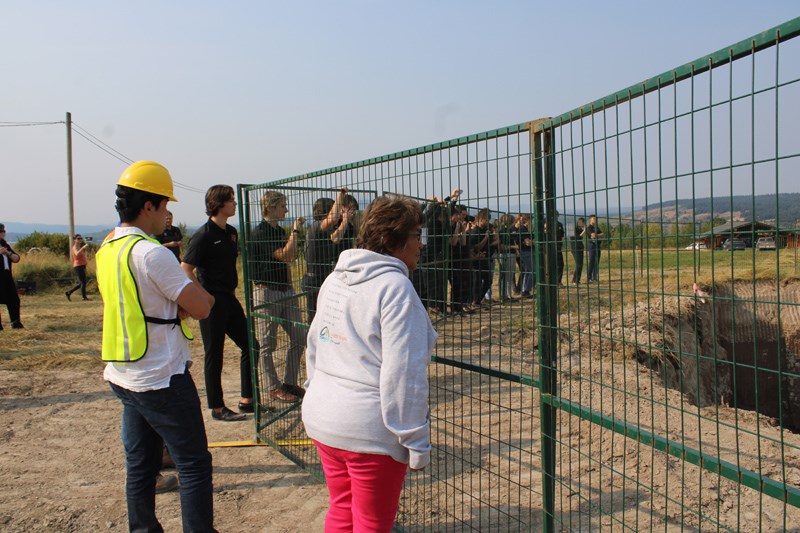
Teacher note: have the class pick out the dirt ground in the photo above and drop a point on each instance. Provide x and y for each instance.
(62, 467)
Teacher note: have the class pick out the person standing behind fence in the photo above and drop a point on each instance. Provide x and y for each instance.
(8, 289)
(331, 231)
(483, 240)
(594, 233)
(508, 256)
(171, 237)
(560, 250)
(145, 296)
(525, 242)
(79, 262)
(272, 253)
(459, 262)
(212, 253)
(577, 249)
(369, 347)
(433, 272)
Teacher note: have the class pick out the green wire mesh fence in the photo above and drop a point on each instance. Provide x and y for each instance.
(619, 326)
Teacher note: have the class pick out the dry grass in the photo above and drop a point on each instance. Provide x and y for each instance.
(57, 334)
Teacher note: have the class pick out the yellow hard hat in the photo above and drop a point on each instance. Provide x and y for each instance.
(148, 176)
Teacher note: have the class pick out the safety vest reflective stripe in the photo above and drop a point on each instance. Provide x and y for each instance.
(124, 252)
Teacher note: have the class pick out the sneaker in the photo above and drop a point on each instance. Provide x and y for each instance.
(166, 483)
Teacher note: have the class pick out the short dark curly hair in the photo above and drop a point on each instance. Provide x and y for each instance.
(387, 223)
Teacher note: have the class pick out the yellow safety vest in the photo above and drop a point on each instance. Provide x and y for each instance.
(124, 321)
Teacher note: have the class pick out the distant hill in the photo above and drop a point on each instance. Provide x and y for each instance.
(762, 207)
(18, 230)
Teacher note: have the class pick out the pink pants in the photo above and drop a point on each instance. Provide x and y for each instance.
(364, 490)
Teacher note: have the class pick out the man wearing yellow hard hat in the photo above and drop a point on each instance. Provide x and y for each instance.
(145, 297)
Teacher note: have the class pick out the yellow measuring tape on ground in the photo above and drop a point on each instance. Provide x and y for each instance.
(244, 443)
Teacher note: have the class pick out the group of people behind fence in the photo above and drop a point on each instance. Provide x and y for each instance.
(463, 252)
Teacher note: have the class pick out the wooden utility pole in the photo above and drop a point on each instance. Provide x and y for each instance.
(69, 177)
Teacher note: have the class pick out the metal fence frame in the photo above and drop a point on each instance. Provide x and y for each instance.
(547, 151)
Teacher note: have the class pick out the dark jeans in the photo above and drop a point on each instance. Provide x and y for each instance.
(226, 318)
(460, 277)
(8, 293)
(560, 265)
(168, 416)
(578, 256)
(434, 284)
(594, 261)
(80, 271)
(482, 279)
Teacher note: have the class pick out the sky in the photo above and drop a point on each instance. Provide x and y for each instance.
(251, 92)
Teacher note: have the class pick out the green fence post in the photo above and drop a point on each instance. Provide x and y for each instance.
(544, 201)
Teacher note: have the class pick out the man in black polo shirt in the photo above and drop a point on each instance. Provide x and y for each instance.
(212, 253)
(172, 237)
(274, 295)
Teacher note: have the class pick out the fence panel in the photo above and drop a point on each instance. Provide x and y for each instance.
(633, 369)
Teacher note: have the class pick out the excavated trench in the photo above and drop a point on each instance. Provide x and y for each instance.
(738, 347)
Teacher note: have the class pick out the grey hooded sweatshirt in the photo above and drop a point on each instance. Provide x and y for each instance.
(367, 358)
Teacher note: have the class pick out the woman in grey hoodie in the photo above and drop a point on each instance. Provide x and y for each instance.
(366, 402)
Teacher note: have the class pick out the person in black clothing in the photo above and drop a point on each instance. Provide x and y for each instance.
(595, 236)
(333, 230)
(430, 277)
(577, 249)
(212, 253)
(508, 252)
(560, 250)
(483, 242)
(274, 295)
(172, 237)
(8, 289)
(460, 260)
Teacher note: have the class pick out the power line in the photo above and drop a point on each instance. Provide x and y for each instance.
(92, 139)
(84, 130)
(25, 124)
(110, 150)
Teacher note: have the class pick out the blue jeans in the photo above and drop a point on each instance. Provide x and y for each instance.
(528, 278)
(594, 261)
(168, 416)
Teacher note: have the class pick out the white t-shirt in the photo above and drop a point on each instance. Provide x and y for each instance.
(160, 281)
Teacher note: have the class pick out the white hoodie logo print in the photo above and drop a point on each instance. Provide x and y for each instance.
(324, 336)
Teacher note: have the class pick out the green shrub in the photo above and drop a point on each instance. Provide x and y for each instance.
(45, 269)
(57, 243)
